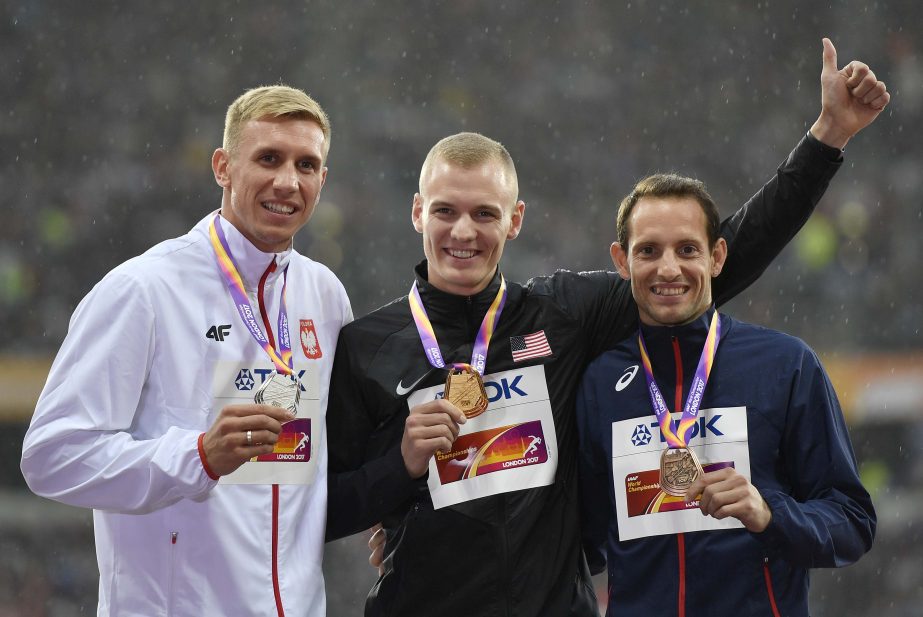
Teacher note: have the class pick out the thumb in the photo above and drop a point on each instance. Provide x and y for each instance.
(829, 56)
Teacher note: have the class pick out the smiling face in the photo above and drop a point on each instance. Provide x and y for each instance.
(272, 179)
(668, 259)
(466, 215)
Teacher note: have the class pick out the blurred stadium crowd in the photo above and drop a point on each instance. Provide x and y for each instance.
(111, 111)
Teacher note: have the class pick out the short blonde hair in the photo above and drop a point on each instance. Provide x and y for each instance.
(272, 102)
(469, 150)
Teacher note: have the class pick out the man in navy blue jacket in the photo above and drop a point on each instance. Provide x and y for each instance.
(721, 507)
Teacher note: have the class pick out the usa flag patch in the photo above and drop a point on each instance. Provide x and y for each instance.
(533, 345)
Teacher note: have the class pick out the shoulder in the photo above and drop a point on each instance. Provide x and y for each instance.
(773, 343)
(317, 273)
(569, 289)
(380, 323)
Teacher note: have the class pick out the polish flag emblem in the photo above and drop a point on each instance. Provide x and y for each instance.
(309, 343)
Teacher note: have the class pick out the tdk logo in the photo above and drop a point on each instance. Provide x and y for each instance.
(698, 429)
(505, 388)
(641, 436)
(246, 381)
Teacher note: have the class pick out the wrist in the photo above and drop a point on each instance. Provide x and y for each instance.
(826, 131)
(204, 459)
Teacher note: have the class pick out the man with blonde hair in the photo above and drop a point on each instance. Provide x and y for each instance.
(181, 406)
(437, 396)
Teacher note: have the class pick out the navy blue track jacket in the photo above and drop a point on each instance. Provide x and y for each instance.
(801, 461)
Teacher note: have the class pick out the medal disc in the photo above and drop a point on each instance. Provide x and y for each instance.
(679, 467)
(279, 391)
(465, 390)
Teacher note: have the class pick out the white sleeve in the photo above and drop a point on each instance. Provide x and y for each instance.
(79, 448)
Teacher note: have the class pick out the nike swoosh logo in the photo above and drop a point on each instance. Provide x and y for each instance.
(402, 390)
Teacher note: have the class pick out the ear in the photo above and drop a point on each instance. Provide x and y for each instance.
(416, 213)
(718, 255)
(220, 160)
(620, 259)
(519, 212)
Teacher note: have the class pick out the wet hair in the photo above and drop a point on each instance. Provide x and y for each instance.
(272, 102)
(669, 185)
(469, 150)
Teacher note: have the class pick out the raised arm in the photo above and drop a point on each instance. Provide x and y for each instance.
(851, 98)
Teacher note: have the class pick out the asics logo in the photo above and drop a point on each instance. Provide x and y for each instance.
(626, 378)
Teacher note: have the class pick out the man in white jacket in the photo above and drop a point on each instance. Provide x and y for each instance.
(205, 502)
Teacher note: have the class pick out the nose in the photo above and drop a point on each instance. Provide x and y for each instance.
(464, 229)
(668, 267)
(286, 179)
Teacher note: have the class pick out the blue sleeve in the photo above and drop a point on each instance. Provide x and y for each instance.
(828, 519)
(592, 462)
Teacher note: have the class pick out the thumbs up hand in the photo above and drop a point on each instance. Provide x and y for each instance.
(851, 99)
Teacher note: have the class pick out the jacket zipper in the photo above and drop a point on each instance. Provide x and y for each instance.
(172, 579)
(473, 328)
(276, 590)
(772, 596)
(680, 538)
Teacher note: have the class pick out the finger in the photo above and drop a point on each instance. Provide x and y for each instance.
(881, 102)
(865, 87)
(856, 72)
(442, 406)
(876, 92)
(260, 437)
(377, 538)
(279, 414)
(433, 420)
(441, 431)
(457, 416)
(829, 56)
(695, 489)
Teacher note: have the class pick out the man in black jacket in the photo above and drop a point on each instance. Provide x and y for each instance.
(480, 508)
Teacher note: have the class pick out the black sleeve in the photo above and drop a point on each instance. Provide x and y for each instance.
(759, 231)
(360, 491)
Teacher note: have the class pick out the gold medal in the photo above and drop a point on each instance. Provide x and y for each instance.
(465, 390)
(679, 467)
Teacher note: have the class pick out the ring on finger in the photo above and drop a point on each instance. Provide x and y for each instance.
(249, 438)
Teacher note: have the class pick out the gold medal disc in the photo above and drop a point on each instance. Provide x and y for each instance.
(465, 390)
(679, 467)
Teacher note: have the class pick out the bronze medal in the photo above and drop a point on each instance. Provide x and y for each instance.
(465, 390)
(679, 467)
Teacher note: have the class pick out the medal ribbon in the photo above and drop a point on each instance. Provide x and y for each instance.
(676, 435)
(282, 359)
(428, 335)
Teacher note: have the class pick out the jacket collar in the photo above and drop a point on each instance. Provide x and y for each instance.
(251, 261)
(439, 303)
(693, 332)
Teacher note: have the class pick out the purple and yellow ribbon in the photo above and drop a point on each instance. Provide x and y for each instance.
(481, 342)
(229, 271)
(677, 435)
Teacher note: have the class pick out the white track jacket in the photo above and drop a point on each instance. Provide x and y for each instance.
(153, 353)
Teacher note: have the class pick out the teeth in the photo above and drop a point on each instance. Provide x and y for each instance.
(461, 254)
(669, 291)
(278, 208)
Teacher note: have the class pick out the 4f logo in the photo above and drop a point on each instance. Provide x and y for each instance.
(218, 333)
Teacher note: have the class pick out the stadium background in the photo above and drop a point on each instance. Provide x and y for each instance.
(110, 112)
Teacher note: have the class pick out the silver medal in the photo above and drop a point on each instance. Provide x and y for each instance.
(279, 391)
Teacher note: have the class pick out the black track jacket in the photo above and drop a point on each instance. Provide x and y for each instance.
(516, 553)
